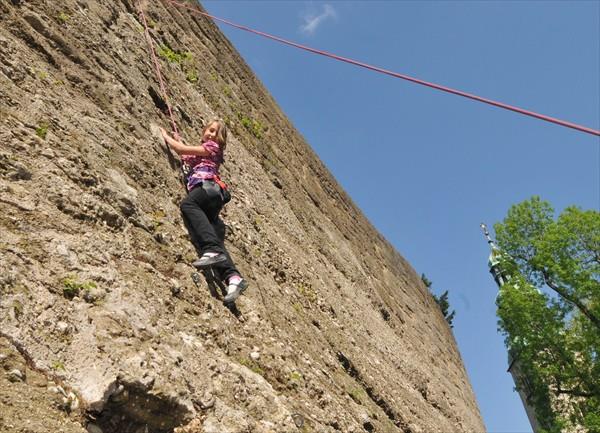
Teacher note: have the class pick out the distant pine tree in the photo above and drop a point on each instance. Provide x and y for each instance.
(441, 300)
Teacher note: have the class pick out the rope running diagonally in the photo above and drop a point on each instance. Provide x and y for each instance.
(394, 74)
(161, 81)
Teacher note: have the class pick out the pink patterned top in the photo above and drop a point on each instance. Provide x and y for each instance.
(203, 167)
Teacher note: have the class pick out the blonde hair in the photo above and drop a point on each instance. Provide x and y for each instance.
(221, 133)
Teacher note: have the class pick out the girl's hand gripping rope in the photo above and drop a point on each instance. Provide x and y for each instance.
(180, 148)
(173, 143)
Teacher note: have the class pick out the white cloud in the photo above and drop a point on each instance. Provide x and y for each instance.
(312, 21)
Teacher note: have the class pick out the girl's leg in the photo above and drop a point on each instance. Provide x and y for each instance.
(192, 234)
(225, 269)
(199, 211)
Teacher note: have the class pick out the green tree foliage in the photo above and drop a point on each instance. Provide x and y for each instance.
(441, 300)
(549, 310)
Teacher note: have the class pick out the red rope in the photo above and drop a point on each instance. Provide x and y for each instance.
(161, 82)
(395, 74)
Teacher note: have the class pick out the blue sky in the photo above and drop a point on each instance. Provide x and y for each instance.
(441, 164)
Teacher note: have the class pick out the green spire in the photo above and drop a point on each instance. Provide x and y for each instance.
(494, 259)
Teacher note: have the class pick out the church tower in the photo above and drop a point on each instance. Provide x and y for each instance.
(501, 278)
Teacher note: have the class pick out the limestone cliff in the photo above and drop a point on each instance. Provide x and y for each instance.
(105, 326)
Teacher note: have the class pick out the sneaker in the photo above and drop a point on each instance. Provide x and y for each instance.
(234, 290)
(209, 259)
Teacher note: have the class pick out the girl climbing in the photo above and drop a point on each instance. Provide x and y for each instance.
(206, 196)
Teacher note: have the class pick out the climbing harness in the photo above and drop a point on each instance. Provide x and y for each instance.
(215, 187)
(391, 73)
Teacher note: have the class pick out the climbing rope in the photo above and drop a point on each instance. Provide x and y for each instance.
(564, 123)
(163, 88)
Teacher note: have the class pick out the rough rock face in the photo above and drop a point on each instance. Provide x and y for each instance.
(104, 325)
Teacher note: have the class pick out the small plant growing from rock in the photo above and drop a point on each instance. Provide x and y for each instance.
(308, 292)
(42, 130)
(254, 127)
(356, 394)
(139, 28)
(72, 287)
(228, 121)
(157, 219)
(246, 122)
(174, 56)
(191, 75)
(295, 375)
(295, 379)
(184, 59)
(58, 365)
(252, 365)
(298, 308)
(63, 17)
(257, 222)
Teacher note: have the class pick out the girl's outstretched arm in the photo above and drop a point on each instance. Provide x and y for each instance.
(183, 149)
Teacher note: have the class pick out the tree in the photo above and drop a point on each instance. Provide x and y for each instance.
(549, 310)
(441, 300)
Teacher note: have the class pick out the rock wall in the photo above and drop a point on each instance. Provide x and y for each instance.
(104, 324)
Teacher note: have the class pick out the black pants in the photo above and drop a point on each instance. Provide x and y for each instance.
(200, 211)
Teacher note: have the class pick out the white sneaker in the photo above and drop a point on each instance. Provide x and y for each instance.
(208, 259)
(234, 290)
